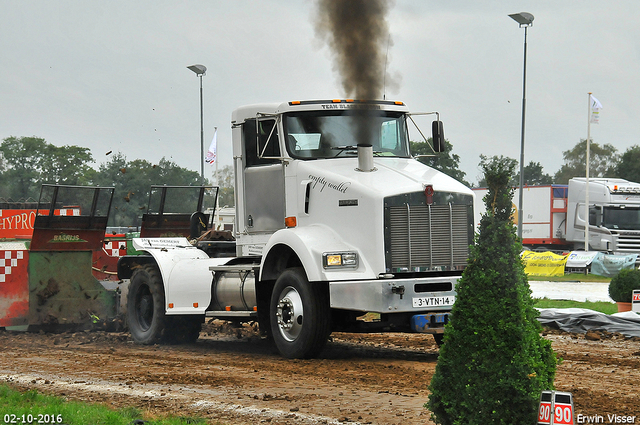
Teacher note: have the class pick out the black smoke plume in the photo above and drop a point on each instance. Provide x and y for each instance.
(358, 35)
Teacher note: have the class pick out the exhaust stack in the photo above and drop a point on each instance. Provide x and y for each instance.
(365, 158)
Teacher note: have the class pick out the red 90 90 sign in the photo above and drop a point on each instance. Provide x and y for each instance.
(555, 408)
(563, 414)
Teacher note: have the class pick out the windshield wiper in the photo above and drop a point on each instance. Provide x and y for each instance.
(351, 148)
(343, 148)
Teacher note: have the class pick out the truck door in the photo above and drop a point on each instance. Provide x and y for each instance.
(263, 176)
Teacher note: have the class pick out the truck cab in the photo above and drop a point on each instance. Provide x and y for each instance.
(614, 214)
(299, 174)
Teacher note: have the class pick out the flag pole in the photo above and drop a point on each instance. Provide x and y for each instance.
(586, 194)
(201, 134)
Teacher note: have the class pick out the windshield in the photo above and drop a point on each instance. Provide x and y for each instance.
(330, 134)
(621, 218)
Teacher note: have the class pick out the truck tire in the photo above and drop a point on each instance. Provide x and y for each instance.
(300, 315)
(145, 305)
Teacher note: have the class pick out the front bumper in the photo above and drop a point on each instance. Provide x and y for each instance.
(392, 295)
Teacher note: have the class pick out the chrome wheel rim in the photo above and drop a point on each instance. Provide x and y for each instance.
(290, 314)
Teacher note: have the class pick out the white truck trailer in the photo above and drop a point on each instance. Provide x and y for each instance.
(334, 219)
(554, 215)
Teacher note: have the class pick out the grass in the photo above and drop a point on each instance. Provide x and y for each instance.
(601, 306)
(34, 407)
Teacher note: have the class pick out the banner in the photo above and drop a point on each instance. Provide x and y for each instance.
(543, 263)
(581, 259)
(18, 223)
(610, 265)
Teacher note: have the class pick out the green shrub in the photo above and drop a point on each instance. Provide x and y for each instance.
(494, 363)
(622, 285)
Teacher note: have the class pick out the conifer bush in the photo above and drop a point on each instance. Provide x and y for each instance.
(494, 363)
(622, 285)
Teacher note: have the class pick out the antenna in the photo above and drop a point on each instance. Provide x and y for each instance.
(384, 77)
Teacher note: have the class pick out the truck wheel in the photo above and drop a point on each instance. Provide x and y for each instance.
(300, 315)
(145, 305)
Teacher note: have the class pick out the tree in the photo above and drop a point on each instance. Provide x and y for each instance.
(132, 181)
(533, 175)
(131, 194)
(226, 184)
(629, 166)
(31, 161)
(67, 165)
(23, 157)
(444, 161)
(603, 160)
(169, 173)
(493, 364)
(509, 163)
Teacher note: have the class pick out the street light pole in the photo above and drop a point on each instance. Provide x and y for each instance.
(200, 70)
(525, 20)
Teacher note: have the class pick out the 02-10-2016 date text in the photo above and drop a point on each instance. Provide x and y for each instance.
(29, 418)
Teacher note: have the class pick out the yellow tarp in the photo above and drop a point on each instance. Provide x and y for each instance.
(543, 263)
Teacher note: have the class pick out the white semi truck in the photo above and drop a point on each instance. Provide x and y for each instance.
(334, 219)
(554, 215)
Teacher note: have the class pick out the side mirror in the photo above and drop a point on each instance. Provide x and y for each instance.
(437, 135)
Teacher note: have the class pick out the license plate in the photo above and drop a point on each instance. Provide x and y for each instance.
(433, 301)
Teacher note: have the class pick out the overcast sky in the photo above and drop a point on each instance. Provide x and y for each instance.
(112, 76)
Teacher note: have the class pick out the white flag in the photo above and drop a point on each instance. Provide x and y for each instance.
(595, 109)
(211, 154)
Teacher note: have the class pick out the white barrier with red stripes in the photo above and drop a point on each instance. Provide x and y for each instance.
(10, 254)
(68, 211)
(115, 248)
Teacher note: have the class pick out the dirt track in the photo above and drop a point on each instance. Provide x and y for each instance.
(232, 376)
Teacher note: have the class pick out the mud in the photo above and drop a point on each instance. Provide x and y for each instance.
(232, 376)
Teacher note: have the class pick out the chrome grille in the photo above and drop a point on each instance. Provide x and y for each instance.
(422, 237)
(628, 242)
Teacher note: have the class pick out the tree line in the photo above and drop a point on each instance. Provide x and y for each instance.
(28, 162)
(605, 161)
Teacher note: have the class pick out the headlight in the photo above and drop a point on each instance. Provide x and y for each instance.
(339, 259)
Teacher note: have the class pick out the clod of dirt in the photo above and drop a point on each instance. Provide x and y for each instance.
(592, 336)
